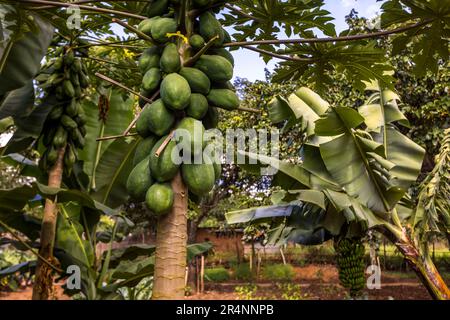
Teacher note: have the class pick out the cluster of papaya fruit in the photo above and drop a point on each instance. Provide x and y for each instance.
(66, 77)
(190, 90)
(351, 265)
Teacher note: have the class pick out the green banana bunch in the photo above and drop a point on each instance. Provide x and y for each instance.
(351, 265)
(64, 78)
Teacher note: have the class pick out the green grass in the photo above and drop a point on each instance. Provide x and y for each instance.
(278, 272)
(242, 272)
(219, 274)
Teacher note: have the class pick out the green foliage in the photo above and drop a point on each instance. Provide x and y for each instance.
(242, 272)
(278, 272)
(429, 42)
(218, 274)
(246, 292)
(291, 291)
(432, 214)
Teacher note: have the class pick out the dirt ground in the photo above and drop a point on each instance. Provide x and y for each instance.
(320, 282)
(316, 282)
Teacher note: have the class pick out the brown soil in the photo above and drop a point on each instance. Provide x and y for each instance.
(26, 293)
(317, 282)
(320, 282)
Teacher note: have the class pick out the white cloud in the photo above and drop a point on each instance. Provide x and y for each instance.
(372, 10)
(348, 3)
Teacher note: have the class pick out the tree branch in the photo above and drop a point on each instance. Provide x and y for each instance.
(114, 82)
(330, 39)
(133, 29)
(117, 136)
(278, 56)
(83, 7)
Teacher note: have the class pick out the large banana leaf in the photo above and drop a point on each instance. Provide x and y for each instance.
(22, 53)
(363, 168)
(72, 195)
(18, 103)
(69, 234)
(29, 126)
(12, 213)
(112, 172)
(298, 222)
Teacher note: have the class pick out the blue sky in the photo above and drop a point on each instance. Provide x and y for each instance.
(249, 64)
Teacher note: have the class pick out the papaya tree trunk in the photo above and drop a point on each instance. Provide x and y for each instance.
(43, 285)
(422, 265)
(171, 241)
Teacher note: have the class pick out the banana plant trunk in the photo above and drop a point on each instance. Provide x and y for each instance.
(422, 265)
(171, 242)
(43, 285)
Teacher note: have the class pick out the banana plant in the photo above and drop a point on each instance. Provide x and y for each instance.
(354, 172)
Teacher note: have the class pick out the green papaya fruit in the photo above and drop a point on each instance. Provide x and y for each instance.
(224, 53)
(139, 180)
(69, 157)
(211, 119)
(73, 108)
(199, 178)
(198, 81)
(151, 79)
(149, 59)
(58, 64)
(68, 89)
(84, 80)
(198, 106)
(170, 59)
(223, 85)
(157, 8)
(189, 135)
(56, 112)
(143, 149)
(163, 168)
(175, 91)
(159, 198)
(68, 123)
(77, 138)
(52, 155)
(155, 118)
(60, 137)
(217, 68)
(223, 98)
(161, 27)
(210, 27)
(69, 58)
(76, 66)
(145, 26)
(80, 119)
(196, 41)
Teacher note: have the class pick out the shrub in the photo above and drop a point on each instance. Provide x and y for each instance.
(243, 272)
(216, 274)
(276, 272)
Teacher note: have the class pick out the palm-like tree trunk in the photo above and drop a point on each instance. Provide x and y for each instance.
(171, 241)
(43, 286)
